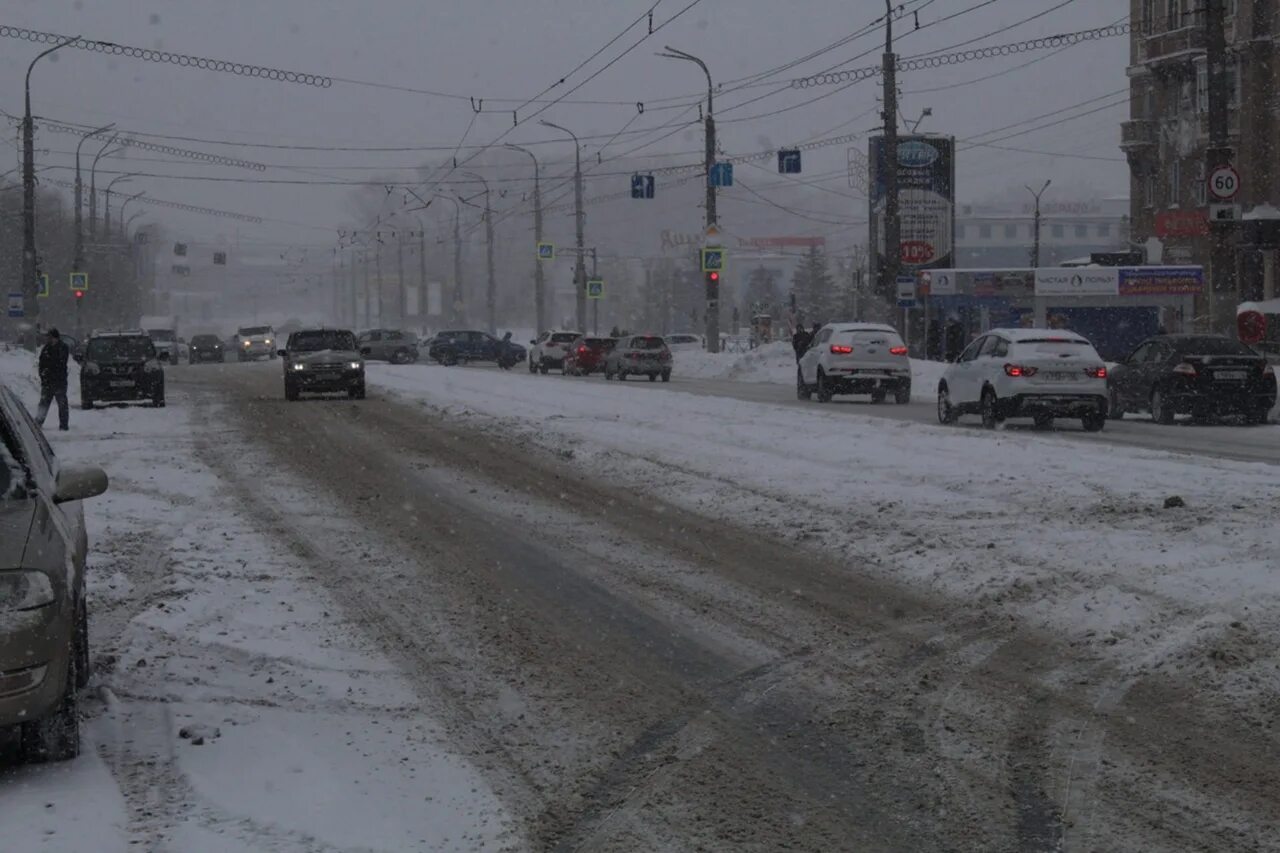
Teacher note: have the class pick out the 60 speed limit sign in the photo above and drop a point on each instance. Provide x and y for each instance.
(1224, 183)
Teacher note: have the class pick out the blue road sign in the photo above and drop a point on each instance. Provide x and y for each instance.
(79, 281)
(721, 175)
(713, 259)
(42, 288)
(906, 291)
(16, 306)
(546, 251)
(595, 288)
(642, 186)
(789, 161)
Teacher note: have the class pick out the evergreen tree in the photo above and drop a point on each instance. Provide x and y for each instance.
(762, 292)
(813, 287)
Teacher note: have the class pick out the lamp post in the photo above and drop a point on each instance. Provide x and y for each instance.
(79, 259)
(93, 187)
(124, 228)
(1035, 247)
(539, 279)
(106, 208)
(491, 290)
(712, 280)
(580, 270)
(30, 266)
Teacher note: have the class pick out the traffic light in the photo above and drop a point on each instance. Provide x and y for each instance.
(713, 285)
(79, 294)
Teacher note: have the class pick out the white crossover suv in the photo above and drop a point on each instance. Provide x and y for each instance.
(855, 358)
(1026, 373)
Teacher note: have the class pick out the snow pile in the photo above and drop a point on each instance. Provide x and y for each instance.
(774, 362)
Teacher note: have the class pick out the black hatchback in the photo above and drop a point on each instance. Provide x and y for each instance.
(1201, 375)
(121, 366)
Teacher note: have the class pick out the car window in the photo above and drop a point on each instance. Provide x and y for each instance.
(1001, 348)
(859, 338)
(478, 337)
(321, 339)
(563, 337)
(375, 336)
(1142, 353)
(1051, 347)
(823, 337)
(542, 337)
(120, 348)
(989, 344)
(13, 475)
(394, 336)
(249, 331)
(29, 436)
(971, 351)
(1210, 345)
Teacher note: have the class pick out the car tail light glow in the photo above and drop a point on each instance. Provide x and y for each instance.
(841, 349)
(1096, 372)
(582, 350)
(1185, 369)
(1020, 370)
(897, 350)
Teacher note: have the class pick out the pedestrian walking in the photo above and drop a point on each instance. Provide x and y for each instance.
(53, 378)
(800, 341)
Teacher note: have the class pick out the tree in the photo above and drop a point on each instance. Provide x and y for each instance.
(813, 287)
(762, 292)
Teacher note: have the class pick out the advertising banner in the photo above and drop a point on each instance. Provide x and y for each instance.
(1161, 281)
(926, 198)
(1078, 281)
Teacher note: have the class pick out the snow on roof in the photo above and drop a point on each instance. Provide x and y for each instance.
(1018, 335)
(862, 327)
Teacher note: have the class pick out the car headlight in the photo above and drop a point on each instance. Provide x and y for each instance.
(246, 343)
(25, 590)
(151, 365)
(297, 366)
(355, 365)
(91, 368)
(267, 341)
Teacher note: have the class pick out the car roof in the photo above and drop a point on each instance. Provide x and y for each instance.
(319, 329)
(861, 327)
(120, 333)
(1018, 335)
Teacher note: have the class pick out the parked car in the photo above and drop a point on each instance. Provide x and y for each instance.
(463, 346)
(550, 349)
(44, 622)
(120, 366)
(255, 342)
(207, 348)
(1026, 373)
(587, 355)
(1200, 375)
(855, 358)
(644, 355)
(390, 345)
(684, 343)
(322, 361)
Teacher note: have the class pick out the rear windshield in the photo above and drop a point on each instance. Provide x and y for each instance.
(120, 349)
(1211, 346)
(646, 343)
(322, 340)
(1056, 347)
(866, 338)
(255, 330)
(163, 336)
(598, 343)
(563, 338)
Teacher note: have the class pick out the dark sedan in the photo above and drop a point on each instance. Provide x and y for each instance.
(207, 348)
(1201, 375)
(462, 346)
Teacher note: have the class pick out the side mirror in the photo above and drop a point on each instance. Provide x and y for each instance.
(533, 343)
(363, 351)
(164, 355)
(282, 352)
(77, 484)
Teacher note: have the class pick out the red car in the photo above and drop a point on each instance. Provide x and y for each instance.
(586, 355)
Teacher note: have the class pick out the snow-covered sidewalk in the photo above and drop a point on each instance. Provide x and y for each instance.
(233, 707)
(1072, 537)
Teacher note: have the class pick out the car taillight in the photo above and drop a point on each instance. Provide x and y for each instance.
(582, 350)
(1096, 372)
(840, 349)
(1185, 369)
(1020, 370)
(897, 350)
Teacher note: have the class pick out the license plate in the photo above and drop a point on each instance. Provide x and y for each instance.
(122, 383)
(1231, 375)
(1061, 376)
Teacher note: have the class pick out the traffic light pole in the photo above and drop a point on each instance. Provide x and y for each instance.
(1222, 272)
(579, 271)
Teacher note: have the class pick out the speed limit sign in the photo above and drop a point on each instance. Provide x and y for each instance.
(1224, 183)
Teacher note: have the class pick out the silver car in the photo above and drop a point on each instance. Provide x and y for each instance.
(44, 635)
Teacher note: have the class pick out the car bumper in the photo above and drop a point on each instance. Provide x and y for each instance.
(853, 381)
(255, 350)
(200, 355)
(1221, 400)
(102, 389)
(325, 381)
(1053, 404)
(550, 360)
(32, 680)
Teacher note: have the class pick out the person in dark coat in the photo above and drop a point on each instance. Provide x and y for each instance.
(800, 341)
(53, 378)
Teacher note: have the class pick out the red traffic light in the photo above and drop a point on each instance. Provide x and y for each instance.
(79, 294)
(713, 276)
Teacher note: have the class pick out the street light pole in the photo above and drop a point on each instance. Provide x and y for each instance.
(1035, 246)
(78, 264)
(93, 187)
(491, 292)
(30, 264)
(712, 280)
(579, 271)
(125, 227)
(106, 209)
(539, 278)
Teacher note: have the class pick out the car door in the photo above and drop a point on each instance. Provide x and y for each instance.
(811, 360)
(964, 381)
(57, 530)
(1127, 378)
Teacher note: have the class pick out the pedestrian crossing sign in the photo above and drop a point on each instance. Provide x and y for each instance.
(42, 286)
(79, 281)
(713, 259)
(595, 288)
(546, 251)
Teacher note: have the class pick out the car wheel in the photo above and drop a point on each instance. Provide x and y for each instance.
(608, 374)
(946, 412)
(990, 412)
(666, 376)
(803, 391)
(290, 391)
(824, 390)
(158, 400)
(653, 377)
(1094, 422)
(902, 396)
(356, 392)
(1161, 411)
(544, 369)
(877, 396)
(55, 737)
(1115, 409)
(622, 376)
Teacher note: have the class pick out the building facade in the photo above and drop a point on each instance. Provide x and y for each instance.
(1002, 235)
(1167, 134)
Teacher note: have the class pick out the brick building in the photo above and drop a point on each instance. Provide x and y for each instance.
(1167, 132)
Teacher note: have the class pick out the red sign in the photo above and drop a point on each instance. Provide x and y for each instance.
(1251, 326)
(917, 252)
(1182, 223)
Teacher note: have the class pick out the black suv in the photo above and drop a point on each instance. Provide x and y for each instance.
(206, 348)
(1203, 375)
(121, 366)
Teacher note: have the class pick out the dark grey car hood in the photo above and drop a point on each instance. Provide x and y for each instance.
(326, 356)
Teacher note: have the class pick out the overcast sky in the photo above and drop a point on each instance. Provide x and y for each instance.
(506, 52)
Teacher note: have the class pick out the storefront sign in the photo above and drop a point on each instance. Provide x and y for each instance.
(1182, 223)
(1078, 281)
(1161, 281)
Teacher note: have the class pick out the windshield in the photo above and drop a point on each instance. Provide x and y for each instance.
(120, 349)
(563, 338)
(162, 336)
(647, 343)
(865, 338)
(251, 331)
(205, 340)
(1211, 346)
(11, 473)
(322, 340)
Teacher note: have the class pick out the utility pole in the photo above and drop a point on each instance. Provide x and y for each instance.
(377, 275)
(400, 277)
(580, 268)
(30, 262)
(457, 264)
(889, 163)
(1222, 273)
(422, 270)
(368, 291)
(1035, 246)
(491, 289)
(354, 305)
(539, 277)
(711, 280)
(595, 303)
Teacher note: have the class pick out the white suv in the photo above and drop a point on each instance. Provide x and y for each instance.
(1026, 373)
(855, 358)
(550, 349)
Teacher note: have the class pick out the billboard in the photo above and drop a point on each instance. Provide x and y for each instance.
(926, 168)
